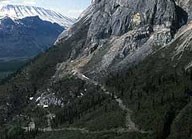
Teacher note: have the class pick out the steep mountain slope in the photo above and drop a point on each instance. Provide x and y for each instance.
(21, 11)
(125, 32)
(159, 88)
(122, 71)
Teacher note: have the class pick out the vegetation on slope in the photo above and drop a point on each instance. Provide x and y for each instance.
(158, 90)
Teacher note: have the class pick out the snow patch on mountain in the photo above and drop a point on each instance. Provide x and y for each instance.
(21, 11)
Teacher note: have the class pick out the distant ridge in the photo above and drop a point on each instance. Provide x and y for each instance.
(21, 11)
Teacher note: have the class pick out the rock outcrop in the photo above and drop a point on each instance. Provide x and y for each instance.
(123, 32)
(118, 17)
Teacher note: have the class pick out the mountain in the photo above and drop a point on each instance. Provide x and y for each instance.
(123, 31)
(26, 37)
(22, 40)
(21, 11)
(25, 32)
(122, 71)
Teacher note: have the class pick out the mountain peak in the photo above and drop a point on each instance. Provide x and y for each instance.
(22, 11)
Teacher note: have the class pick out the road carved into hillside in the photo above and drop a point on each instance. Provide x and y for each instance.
(86, 131)
(130, 125)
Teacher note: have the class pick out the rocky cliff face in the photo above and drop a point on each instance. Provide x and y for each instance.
(118, 17)
(124, 32)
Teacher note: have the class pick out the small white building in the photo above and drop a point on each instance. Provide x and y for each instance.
(31, 125)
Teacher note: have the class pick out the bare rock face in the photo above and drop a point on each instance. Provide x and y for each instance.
(123, 32)
(116, 17)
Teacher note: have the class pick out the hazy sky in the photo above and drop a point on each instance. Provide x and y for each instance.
(70, 8)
